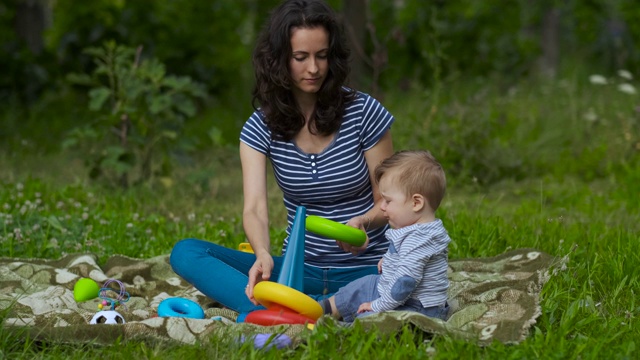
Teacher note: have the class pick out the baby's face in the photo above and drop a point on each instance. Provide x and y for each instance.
(395, 206)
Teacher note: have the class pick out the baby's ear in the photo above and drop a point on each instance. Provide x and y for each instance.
(418, 202)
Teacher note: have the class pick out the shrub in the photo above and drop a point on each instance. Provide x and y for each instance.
(141, 112)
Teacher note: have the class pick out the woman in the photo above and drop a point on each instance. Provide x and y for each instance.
(323, 141)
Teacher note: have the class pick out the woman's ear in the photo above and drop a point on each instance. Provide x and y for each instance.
(418, 202)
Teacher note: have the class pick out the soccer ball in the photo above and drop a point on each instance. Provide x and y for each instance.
(107, 317)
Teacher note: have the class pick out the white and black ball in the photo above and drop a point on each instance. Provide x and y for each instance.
(107, 317)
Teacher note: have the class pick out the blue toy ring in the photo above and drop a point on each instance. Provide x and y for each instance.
(180, 307)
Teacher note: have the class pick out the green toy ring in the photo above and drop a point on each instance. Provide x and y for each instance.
(335, 230)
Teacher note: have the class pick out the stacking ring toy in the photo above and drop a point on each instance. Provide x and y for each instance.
(270, 318)
(180, 307)
(274, 295)
(335, 230)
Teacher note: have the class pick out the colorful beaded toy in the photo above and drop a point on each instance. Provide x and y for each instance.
(120, 299)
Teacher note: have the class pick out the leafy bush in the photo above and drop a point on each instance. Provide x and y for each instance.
(207, 41)
(142, 112)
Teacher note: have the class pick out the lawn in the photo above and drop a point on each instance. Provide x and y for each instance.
(551, 165)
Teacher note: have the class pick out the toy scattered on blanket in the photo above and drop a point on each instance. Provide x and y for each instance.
(180, 307)
(86, 289)
(109, 317)
(267, 341)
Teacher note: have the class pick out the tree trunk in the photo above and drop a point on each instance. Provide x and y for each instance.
(32, 18)
(355, 23)
(550, 42)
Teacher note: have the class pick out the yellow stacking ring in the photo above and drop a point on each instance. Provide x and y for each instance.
(269, 293)
(335, 230)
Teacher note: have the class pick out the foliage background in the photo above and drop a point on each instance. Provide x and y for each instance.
(408, 44)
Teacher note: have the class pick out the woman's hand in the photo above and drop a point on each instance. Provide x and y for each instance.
(357, 222)
(261, 270)
(380, 266)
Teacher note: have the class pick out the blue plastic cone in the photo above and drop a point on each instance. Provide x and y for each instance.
(292, 273)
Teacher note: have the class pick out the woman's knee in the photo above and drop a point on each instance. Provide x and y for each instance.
(182, 252)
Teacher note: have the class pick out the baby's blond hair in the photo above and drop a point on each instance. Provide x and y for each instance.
(417, 172)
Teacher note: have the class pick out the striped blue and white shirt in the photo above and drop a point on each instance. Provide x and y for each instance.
(414, 267)
(334, 183)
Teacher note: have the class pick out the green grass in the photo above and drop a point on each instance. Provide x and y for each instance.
(526, 170)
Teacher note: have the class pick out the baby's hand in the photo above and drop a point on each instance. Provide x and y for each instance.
(364, 307)
(380, 266)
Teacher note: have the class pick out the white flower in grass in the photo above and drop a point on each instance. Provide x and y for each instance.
(625, 74)
(591, 115)
(627, 88)
(598, 79)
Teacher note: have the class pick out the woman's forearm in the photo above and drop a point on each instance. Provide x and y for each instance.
(256, 229)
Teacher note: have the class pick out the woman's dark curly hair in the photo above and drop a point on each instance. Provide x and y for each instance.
(271, 59)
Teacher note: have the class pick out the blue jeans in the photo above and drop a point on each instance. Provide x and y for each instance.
(222, 273)
(365, 289)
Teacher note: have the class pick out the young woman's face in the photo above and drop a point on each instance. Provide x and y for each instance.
(396, 206)
(309, 65)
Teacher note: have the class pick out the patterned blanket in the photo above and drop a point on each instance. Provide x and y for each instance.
(491, 299)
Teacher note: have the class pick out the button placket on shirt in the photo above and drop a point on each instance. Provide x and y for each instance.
(314, 169)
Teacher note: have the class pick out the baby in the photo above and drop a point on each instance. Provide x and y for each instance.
(413, 272)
